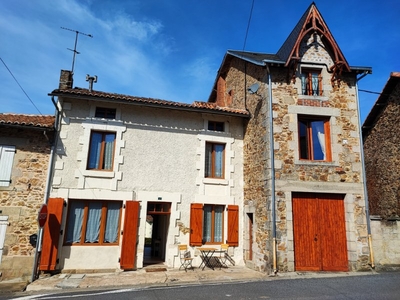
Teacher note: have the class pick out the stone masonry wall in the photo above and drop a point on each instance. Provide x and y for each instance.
(22, 200)
(382, 160)
(343, 174)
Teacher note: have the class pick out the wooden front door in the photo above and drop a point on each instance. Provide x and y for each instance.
(319, 232)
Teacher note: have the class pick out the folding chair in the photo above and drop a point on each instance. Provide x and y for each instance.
(185, 257)
(223, 255)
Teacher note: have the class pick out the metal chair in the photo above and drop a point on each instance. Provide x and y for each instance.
(225, 257)
(185, 257)
(223, 253)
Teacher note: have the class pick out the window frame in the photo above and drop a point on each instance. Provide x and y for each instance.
(105, 112)
(216, 126)
(306, 74)
(212, 237)
(102, 151)
(212, 172)
(103, 223)
(310, 153)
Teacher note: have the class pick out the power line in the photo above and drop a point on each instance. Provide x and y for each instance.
(371, 92)
(20, 86)
(248, 25)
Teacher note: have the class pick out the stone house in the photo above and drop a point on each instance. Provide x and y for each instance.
(304, 192)
(381, 140)
(25, 151)
(123, 161)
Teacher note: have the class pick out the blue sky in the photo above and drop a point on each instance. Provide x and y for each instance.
(172, 49)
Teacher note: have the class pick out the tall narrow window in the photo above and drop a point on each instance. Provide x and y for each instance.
(214, 160)
(93, 222)
(101, 151)
(311, 82)
(213, 223)
(314, 138)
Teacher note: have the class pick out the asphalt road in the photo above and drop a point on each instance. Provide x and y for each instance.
(378, 287)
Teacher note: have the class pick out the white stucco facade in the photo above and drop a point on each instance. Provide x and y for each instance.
(159, 157)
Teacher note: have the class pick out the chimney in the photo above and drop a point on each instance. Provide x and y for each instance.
(91, 79)
(65, 80)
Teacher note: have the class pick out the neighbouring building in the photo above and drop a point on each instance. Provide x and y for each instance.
(381, 138)
(134, 177)
(304, 199)
(25, 151)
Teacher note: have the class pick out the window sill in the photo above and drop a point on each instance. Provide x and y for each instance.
(99, 174)
(306, 97)
(315, 163)
(215, 181)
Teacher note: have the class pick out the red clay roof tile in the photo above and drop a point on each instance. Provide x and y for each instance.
(37, 121)
(149, 101)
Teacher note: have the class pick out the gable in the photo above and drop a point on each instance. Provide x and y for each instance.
(312, 24)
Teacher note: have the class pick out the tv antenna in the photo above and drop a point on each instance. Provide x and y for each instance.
(76, 41)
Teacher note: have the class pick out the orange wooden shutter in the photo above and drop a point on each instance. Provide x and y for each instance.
(196, 224)
(233, 225)
(129, 238)
(51, 234)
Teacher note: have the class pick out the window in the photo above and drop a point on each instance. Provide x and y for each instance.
(93, 222)
(311, 82)
(214, 160)
(215, 126)
(105, 113)
(314, 138)
(101, 150)
(212, 223)
(6, 163)
(207, 224)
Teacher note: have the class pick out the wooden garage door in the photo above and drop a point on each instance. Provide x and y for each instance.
(319, 232)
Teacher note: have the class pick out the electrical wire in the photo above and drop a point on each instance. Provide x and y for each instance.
(20, 86)
(248, 26)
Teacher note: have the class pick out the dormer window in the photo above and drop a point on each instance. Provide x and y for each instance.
(311, 82)
(105, 113)
(215, 126)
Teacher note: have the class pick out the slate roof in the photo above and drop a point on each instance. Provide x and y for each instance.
(380, 103)
(134, 100)
(29, 121)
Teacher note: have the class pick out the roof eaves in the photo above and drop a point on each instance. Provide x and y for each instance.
(148, 102)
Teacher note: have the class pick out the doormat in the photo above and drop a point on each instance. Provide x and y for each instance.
(156, 269)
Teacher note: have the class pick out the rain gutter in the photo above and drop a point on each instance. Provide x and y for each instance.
(371, 252)
(272, 157)
(46, 193)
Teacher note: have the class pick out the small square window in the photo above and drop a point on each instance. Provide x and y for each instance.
(105, 113)
(314, 138)
(101, 151)
(216, 126)
(311, 82)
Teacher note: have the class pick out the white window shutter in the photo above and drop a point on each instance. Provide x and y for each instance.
(6, 163)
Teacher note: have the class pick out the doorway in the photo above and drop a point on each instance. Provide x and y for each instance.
(319, 231)
(156, 232)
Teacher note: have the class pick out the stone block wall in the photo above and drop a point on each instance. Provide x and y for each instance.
(342, 175)
(21, 201)
(386, 244)
(382, 160)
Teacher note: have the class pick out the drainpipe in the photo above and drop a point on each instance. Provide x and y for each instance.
(46, 192)
(371, 252)
(271, 146)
